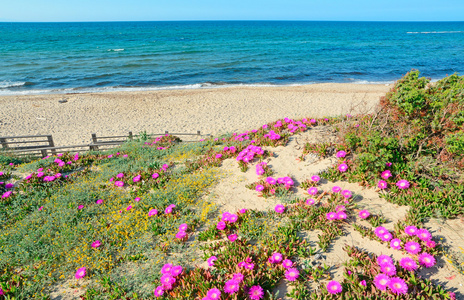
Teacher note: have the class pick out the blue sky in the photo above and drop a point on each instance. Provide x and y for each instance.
(164, 10)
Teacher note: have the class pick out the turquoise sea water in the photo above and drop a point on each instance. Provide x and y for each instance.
(78, 57)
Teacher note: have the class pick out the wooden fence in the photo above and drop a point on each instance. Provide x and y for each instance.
(41, 145)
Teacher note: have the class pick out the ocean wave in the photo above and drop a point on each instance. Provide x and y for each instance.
(7, 84)
(432, 32)
(116, 50)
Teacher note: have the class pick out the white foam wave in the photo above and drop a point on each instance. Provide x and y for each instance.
(433, 32)
(6, 84)
(116, 50)
(371, 82)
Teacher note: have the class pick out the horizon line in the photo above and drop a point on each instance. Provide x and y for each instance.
(119, 21)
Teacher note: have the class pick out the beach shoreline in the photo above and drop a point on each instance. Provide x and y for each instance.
(211, 111)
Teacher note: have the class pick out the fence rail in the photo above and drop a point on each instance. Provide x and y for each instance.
(41, 148)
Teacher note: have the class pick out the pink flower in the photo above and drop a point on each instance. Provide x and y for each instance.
(232, 286)
(364, 214)
(167, 281)
(381, 281)
(155, 175)
(166, 269)
(412, 247)
(410, 230)
(213, 294)
(382, 184)
(427, 260)
(334, 287)
(347, 194)
(80, 273)
(129, 207)
(341, 215)
(292, 274)
(158, 291)
(331, 215)
(243, 210)
(259, 188)
(238, 277)
(279, 208)
(431, 244)
(424, 235)
(388, 269)
(120, 175)
(276, 258)
(379, 231)
(363, 283)
(232, 237)
(313, 191)
(169, 209)
(225, 216)
(41, 208)
(408, 264)
(137, 199)
(315, 178)
(183, 227)
(341, 154)
(99, 201)
(119, 183)
(402, 184)
(96, 244)
(287, 263)
(398, 285)
(342, 167)
(219, 155)
(181, 234)
(386, 174)
(310, 201)
(211, 260)
(221, 225)
(395, 244)
(233, 218)
(176, 271)
(80, 207)
(256, 292)
(336, 189)
(136, 178)
(271, 180)
(152, 212)
(384, 259)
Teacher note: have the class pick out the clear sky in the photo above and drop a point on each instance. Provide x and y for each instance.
(164, 10)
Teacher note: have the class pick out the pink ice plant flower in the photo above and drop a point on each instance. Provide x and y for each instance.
(381, 281)
(279, 208)
(166, 269)
(232, 237)
(119, 183)
(427, 260)
(211, 260)
(80, 207)
(424, 235)
(342, 167)
(384, 259)
(402, 184)
(256, 292)
(315, 178)
(287, 263)
(347, 194)
(238, 277)
(336, 189)
(341, 215)
(233, 218)
(80, 273)
(334, 287)
(180, 235)
(155, 175)
(395, 244)
(96, 244)
(410, 230)
(398, 286)
(412, 247)
(341, 154)
(382, 184)
(152, 212)
(213, 294)
(313, 190)
(276, 258)
(183, 227)
(259, 188)
(176, 271)
(331, 215)
(129, 208)
(232, 286)
(292, 274)
(364, 214)
(169, 209)
(221, 225)
(158, 291)
(408, 264)
(310, 201)
(386, 174)
(388, 269)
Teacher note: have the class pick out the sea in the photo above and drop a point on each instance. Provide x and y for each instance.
(38, 58)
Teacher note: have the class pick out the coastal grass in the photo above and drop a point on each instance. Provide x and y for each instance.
(49, 228)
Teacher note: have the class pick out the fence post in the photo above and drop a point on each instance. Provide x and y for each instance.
(94, 141)
(51, 144)
(44, 152)
(198, 132)
(130, 135)
(166, 132)
(4, 144)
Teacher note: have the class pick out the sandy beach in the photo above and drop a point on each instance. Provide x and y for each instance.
(213, 111)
